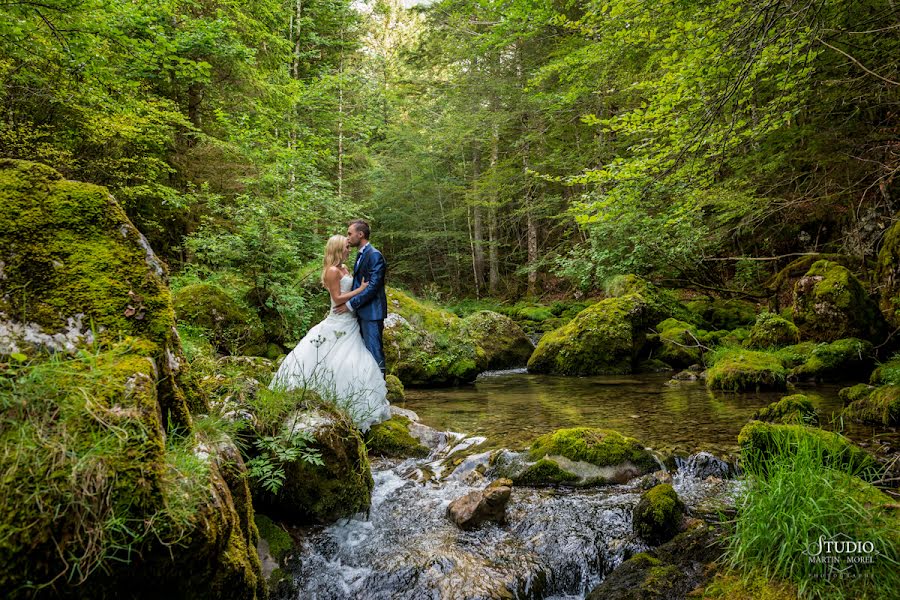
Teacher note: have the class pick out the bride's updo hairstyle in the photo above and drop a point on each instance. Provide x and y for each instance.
(334, 253)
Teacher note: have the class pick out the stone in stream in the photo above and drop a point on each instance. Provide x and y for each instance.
(657, 517)
(481, 506)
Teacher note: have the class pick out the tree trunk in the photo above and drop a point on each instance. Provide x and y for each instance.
(477, 229)
(493, 250)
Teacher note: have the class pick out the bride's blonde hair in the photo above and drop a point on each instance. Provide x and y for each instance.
(334, 253)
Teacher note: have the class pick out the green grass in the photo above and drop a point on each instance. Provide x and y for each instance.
(791, 500)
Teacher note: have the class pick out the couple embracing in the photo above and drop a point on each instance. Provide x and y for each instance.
(342, 357)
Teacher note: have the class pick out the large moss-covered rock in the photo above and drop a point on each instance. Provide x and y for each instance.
(771, 330)
(738, 370)
(887, 373)
(585, 456)
(424, 345)
(830, 303)
(504, 343)
(887, 274)
(795, 408)
(231, 328)
(881, 406)
(840, 360)
(340, 487)
(392, 438)
(86, 269)
(760, 441)
(133, 515)
(679, 343)
(395, 390)
(657, 517)
(607, 338)
(669, 571)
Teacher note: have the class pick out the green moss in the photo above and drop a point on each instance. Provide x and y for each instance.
(795, 355)
(738, 370)
(679, 343)
(838, 360)
(887, 274)
(545, 472)
(395, 391)
(887, 373)
(279, 540)
(340, 487)
(760, 441)
(771, 331)
(71, 246)
(503, 342)
(428, 346)
(232, 328)
(750, 586)
(660, 304)
(658, 514)
(856, 392)
(790, 409)
(392, 438)
(830, 304)
(724, 314)
(599, 447)
(881, 406)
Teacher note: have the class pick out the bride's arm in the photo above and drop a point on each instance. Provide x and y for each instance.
(333, 284)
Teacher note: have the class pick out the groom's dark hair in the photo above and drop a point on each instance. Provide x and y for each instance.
(362, 226)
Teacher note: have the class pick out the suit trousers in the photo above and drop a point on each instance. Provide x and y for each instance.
(372, 337)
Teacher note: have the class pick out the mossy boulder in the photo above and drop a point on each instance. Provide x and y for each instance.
(424, 345)
(657, 516)
(887, 373)
(771, 330)
(830, 304)
(724, 314)
(855, 392)
(392, 438)
(840, 360)
(504, 343)
(669, 571)
(321, 493)
(232, 328)
(739, 370)
(796, 408)
(585, 456)
(881, 406)
(608, 337)
(887, 274)
(134, 514)
(86, 270)
(679, 344)
(395, 389)
(760, 441)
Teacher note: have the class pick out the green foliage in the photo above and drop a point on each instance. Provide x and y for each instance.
(797, 495)
(275, 451)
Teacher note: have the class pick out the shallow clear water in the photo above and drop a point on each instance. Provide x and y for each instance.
(512, 408)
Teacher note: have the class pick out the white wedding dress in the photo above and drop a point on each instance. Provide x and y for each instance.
(333, 361)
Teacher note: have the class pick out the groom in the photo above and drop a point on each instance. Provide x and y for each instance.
(370, 305)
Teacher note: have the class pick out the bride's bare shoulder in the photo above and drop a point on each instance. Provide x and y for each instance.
(333, 272)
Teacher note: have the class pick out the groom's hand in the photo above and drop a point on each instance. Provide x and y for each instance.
(341, 309)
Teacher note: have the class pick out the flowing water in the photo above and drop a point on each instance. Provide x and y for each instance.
(556, 544)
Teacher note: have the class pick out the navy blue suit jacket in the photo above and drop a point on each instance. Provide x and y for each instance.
(371, 304)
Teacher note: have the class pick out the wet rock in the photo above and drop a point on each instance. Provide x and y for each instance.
(395, 391)
(686, 375)
(678, 342)
(657, 517)
(670, 571)
(830, 304)
(392, 438)
(584, 456)
(881, 406)
(840, 360)
(481, 506)
(703, 465)
(796, 408)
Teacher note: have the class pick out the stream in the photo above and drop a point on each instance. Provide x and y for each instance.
(557, 544)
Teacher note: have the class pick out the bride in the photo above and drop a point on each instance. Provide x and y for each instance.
(332, 358)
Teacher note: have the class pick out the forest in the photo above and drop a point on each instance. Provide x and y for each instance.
(594, 188)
